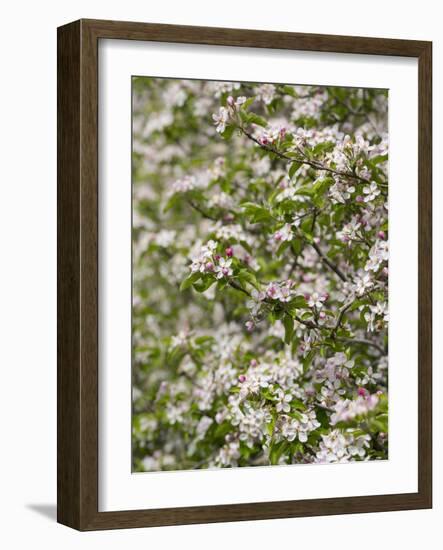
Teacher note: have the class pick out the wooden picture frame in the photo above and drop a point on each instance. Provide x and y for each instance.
(78, 274)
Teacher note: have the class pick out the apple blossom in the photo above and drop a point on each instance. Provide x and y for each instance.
(371, 191)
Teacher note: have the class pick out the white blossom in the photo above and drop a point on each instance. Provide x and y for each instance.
(371, 192)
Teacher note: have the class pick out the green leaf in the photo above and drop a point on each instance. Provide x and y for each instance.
(298, 405)
(246, 276)
(245, 106)
(289, 90)
(222, 429)
(378, 159)
(288, 323)
(173, 201)
(194, 277)
(257, 213)
(297, 246)
(293, 168)
(298, 302)
(321, 185)
(357, 303)
(225, 185)
(276, 451)
(200, 340)
(271, 426)
(204, 285)
(229, 130)
(253, 118)
(284, 246)
(222, 284)
(307, 190)
(324, 147)
(244, 116)
(308, 360)
(246, 246)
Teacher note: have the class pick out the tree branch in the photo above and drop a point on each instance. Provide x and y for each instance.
(303, 160)
(308, 324)
(235, 285)
(200, 210)
(328, 262)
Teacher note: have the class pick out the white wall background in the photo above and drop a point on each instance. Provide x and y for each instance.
(28, 271)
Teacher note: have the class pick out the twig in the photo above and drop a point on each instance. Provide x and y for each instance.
(328, 262)
(341, 314)
(308, 324)
(235, 285)
(315, 246)
(323, 407)
(200, 210)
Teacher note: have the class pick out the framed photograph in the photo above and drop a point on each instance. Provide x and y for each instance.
(244, 275)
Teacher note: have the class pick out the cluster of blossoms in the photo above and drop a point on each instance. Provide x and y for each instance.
(225, 114)
(260, 274)
(282, 291)
(346, 409)
(342, 446)
(265, 93)
(341, 192)
(378, 256)
(349, 232)
(271, 135)
(199, 179)
(207, 261)
(377, 316)
(299, 427)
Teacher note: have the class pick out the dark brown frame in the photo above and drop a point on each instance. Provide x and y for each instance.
(77, 455)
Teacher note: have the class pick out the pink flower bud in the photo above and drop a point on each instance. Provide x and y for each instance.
(381, 234)
(325, 296)
(225, 271)
(322, 315)
(359, 198)
(230, 100)
(253, 362)
(361, 392)
(217, 257)
(229, 252)
(249, 326)
(209, 266)
(242, 378)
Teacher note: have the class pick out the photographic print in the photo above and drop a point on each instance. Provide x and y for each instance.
(259, 274)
